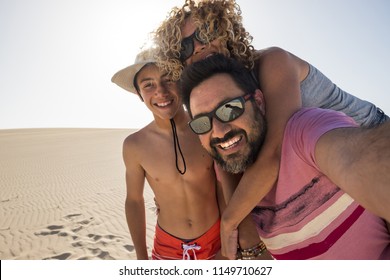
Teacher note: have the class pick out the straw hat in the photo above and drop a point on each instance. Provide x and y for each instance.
(125, 77)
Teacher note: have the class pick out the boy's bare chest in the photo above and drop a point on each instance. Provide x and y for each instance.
(162, 162)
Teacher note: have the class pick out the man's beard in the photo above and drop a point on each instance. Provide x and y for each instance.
(238, 162)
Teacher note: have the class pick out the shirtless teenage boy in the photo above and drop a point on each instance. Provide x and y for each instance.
(188, 220)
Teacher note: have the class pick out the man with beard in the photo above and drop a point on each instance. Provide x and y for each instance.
(332, 194)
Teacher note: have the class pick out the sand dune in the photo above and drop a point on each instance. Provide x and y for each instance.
(62, 195)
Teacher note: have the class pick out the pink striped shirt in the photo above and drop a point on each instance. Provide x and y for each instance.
(306, 216)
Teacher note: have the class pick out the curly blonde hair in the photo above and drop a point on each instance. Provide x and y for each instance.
(223, 16)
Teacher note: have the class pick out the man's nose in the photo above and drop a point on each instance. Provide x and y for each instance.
(220, 129)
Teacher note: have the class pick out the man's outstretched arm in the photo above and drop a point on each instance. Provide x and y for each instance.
(358, 161)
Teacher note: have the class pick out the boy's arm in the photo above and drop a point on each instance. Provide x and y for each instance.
(358, 161)
(280, 74)
(134, 205)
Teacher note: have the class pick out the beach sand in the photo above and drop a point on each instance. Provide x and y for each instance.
(62, 194)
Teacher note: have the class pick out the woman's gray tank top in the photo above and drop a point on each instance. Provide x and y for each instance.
(318, 91)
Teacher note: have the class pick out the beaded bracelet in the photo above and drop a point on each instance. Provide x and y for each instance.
(251, 253)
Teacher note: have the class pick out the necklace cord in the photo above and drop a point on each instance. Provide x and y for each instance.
(177, 144)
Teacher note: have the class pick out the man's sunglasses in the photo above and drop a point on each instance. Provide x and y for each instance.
(187, 44)
(227, 112)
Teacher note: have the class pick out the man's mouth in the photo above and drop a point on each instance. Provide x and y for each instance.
(231, 143)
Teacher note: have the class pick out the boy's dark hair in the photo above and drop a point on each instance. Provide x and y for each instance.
(202, 70)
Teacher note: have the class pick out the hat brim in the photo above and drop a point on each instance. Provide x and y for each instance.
(125, 77)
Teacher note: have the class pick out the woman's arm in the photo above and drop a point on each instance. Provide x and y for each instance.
(246, 236)
(280, 74)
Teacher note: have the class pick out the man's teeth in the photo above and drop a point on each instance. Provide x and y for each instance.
(230, 143)
(164, 104)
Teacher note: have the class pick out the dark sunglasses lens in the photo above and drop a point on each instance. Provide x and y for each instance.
(200, 125)
(187, 48)
(230, 110)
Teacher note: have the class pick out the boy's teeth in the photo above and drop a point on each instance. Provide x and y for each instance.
(164, 104)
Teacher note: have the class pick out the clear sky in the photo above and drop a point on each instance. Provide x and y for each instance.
(57, 57)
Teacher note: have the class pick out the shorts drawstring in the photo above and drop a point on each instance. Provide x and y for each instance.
(188, 247)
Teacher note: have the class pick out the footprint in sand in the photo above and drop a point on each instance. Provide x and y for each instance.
(78, 244)
(58, 229)
(63, 256)
(129, 248)
(94, 237)
(80, 224)
(53, 229)
(9, 199)
(71, 216)
(77, 229)
(86, 222)
(111, 237)
(104, 255)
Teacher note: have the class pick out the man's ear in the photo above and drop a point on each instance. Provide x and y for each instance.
(259, 100)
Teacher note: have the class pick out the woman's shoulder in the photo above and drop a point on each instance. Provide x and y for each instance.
(278, 58)
(275, 53)
(274, 50)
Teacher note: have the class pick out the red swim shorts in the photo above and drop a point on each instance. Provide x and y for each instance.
(168, 247)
